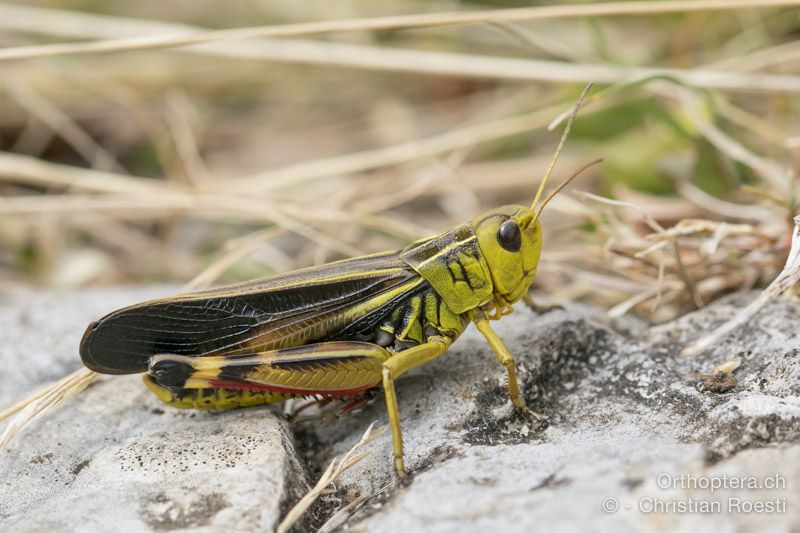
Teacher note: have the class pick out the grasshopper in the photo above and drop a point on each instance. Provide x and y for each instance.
(336, 330)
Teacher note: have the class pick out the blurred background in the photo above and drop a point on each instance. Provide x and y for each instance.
(239, 159)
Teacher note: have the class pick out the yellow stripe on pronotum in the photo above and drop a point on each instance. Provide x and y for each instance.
(336, 330)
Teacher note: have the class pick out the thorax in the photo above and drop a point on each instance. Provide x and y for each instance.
(454, 267)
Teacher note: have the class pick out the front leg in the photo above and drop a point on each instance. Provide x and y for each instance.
(507, 359)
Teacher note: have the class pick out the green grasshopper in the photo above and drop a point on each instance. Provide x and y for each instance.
(336, 330)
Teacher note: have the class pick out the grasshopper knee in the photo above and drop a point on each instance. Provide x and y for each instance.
(170, 372)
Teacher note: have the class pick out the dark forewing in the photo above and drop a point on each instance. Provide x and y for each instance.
(287, 310)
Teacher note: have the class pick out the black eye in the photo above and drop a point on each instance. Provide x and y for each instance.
(509, 236)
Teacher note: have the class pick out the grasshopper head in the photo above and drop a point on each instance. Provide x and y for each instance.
(510, 239)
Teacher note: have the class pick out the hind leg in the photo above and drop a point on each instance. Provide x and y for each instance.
(327, 369)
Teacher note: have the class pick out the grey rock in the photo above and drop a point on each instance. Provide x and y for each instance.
(627, 419)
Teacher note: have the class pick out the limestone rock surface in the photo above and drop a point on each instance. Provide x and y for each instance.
(635, 439)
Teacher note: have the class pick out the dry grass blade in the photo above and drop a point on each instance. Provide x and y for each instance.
(788, 277)
(683, 267)
(238, 250)
(383, 58)
(339, 518)
(728, 209)
(19, 406)
(388, 23)
(623, 308)
(183, 138)
(391, 155)
(62, 124)
(148, 196)
(48, 399)
(27, 170)
(210, 207)
(655, 226)
(772, 172)
(335, 468)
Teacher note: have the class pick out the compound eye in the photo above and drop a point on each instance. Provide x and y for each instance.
(509, 236)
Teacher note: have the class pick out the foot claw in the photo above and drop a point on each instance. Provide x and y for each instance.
(526, 411)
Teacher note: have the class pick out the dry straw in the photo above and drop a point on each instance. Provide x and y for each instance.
(90, 26)
(390, 23)
(787, 279)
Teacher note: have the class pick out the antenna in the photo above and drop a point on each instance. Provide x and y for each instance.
(561, 143)
(562, 185)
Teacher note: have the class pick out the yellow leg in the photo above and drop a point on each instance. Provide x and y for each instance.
(393, 368)
(507, 359)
